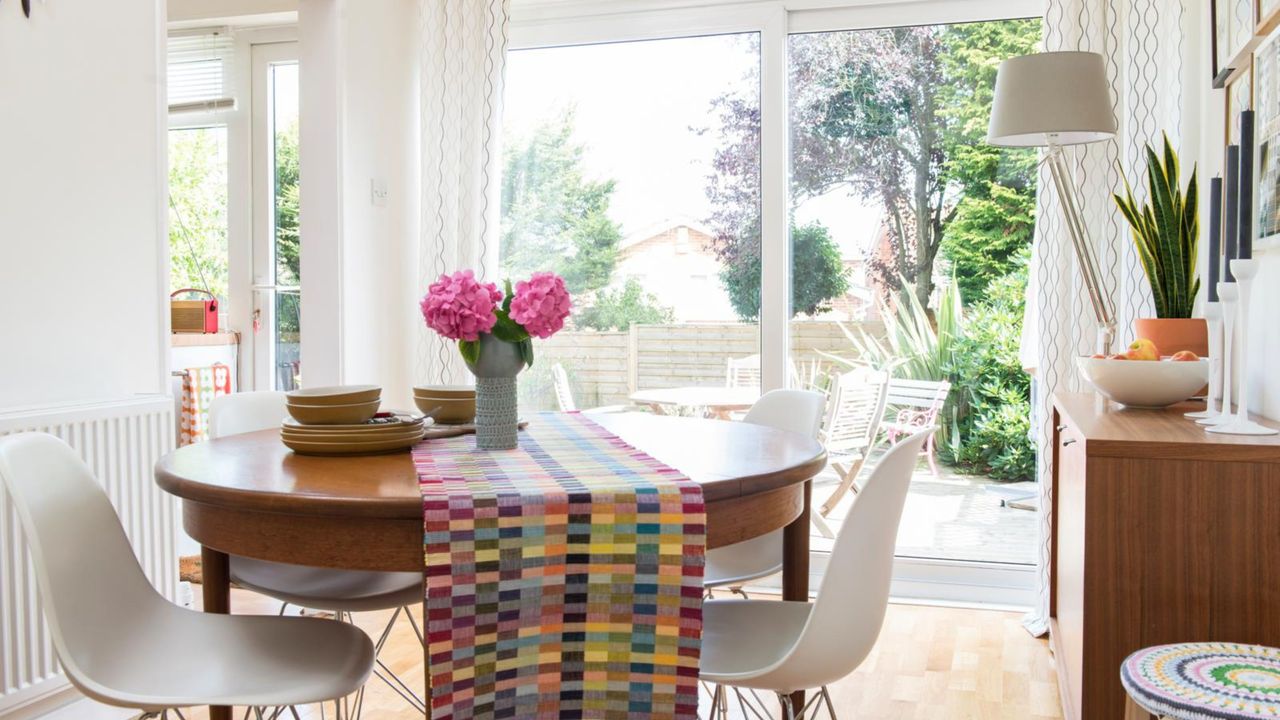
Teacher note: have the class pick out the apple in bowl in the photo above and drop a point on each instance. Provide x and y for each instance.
(1140, 378)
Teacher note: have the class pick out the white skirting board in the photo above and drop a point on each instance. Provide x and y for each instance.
(121, 442)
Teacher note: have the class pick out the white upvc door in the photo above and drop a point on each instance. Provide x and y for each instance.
(276, 300)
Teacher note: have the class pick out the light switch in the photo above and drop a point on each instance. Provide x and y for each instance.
(378, 192)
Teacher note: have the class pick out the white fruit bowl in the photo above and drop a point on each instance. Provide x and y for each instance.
(1145, 383)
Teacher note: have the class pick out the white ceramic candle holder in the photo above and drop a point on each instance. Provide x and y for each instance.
(1213, 318)
(1227, 296)
(1245, 271)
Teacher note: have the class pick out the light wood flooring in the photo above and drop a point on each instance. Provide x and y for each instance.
(931, 663)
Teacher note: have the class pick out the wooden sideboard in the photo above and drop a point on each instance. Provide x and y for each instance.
(1162, 533)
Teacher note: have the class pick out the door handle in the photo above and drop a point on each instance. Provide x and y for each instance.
(1068, 441)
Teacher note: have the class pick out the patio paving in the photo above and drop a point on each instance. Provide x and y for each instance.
(952, 516)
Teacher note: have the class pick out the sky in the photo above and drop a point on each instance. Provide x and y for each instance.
(637, 106)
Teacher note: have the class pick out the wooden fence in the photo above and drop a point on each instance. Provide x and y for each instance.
(604, 368)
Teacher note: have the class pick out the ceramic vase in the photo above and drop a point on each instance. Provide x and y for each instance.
(497, 416)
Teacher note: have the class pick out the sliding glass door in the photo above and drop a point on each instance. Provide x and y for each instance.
(909, 241)
(808, 191)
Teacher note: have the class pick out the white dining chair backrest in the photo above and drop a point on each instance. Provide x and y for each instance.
(246, 412)
(797, 411)
(564, 393)
(95, 594)
(849, 610)
(857, 405)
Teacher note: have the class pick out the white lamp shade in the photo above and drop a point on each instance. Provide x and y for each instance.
(1058, 98)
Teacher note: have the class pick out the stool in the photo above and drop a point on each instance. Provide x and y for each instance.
(1203, 681)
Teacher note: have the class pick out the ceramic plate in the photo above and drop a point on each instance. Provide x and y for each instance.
(349, 448)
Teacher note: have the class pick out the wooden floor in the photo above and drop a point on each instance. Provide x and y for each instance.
(931, 664)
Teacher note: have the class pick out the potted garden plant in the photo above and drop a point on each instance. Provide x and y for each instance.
(1166, 233)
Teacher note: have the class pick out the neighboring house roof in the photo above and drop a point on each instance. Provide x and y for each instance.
(655, 229)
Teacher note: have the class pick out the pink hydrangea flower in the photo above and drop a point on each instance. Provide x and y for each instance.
(460, 307)
(541, 304)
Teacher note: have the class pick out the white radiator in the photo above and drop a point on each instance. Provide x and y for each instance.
(121, 442)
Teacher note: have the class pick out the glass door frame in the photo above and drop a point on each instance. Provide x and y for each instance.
(263, 288)
(929, 579)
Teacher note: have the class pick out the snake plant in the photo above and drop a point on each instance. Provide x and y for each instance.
(1166, 232)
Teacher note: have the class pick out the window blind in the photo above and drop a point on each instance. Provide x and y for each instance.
(201, 71)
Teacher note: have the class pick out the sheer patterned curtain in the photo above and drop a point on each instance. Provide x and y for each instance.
(1143, 42)
(462, 59)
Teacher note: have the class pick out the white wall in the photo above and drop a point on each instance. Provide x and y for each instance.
(360, 108)
(82, 246)
(380, 142)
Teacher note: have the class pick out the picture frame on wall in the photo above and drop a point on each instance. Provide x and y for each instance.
(1233, 30)
(1266, 104)
(1220, 41)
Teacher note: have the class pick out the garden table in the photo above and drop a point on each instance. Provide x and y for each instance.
(719, 402)
(249, 495)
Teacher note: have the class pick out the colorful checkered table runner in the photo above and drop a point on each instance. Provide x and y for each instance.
(1205, 681)
(563, 578)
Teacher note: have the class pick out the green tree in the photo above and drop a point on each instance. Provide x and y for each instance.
(198, 210)
(895, 116)
(553, 217)
(995, 214)
(818, 271)
(618, 309)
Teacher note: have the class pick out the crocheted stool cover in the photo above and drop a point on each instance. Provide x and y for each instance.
(1209, 681)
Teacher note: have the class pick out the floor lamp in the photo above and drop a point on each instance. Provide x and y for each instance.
(1053, 100)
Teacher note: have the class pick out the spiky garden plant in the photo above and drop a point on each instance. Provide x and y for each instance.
(1166, 232)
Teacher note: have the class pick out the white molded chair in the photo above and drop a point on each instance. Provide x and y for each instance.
(342, 591)
(564, 394)
(783, 647)
(122, 643)
(797, 411)
(854, 416)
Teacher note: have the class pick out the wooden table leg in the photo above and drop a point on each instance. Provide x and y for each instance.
(216, 587)
(795, 566)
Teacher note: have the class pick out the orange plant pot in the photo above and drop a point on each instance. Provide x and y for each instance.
(1174, 334)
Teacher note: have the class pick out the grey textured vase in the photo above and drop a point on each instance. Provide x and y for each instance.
(496, 413)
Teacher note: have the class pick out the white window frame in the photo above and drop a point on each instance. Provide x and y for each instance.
(555, 23)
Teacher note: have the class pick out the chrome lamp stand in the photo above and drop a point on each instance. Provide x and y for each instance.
(1104, 310)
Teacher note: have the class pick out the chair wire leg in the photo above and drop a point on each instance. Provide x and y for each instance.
(788, 710)
(831, 707)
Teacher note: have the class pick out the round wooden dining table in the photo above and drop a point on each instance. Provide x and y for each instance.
(249, 495)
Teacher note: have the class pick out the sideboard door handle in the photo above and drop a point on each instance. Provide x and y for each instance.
(1068, 442)
(1061, 428)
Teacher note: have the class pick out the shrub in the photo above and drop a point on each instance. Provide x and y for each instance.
(990, 385)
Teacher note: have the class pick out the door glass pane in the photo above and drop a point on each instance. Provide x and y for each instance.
(198, 210)
(909, 244)
(286, 242)
(633, 170)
